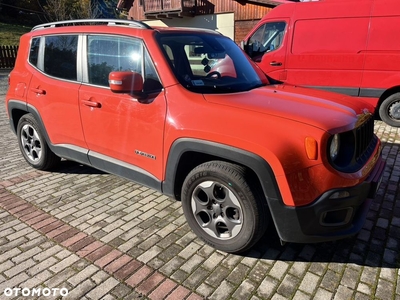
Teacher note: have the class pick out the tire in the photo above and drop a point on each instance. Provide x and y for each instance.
(33, 145)
(389, 110)
(222, 208)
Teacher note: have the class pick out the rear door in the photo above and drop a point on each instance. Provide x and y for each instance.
(53, 90)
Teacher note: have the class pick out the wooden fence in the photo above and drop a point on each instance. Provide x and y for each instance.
(8, 55)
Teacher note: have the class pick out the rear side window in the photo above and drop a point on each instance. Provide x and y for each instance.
(60, 54)
(34, 52)
(55, 55)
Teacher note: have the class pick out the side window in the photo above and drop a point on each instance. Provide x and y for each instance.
(267, 38)
(60, 54)
(34, 52)
(106, 54)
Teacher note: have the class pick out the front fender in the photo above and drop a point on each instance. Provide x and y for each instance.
(256, 163)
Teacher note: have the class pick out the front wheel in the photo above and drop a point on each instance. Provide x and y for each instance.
(389, 110)
(222, 208)
(33, 144)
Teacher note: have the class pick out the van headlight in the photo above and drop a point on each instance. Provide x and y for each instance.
(334, 147)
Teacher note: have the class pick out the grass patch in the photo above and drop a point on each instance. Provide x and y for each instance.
(10, 33)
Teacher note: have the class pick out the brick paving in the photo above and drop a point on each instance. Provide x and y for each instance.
(99, 236)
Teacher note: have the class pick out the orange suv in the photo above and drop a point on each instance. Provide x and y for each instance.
(185, 112)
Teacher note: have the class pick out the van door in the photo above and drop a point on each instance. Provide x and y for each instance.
(267, 47)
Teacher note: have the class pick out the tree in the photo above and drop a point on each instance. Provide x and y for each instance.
(33, 12)
(58, 10)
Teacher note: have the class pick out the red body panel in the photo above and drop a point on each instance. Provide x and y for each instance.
(342, 46)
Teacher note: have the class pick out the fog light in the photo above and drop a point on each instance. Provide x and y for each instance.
(339, 195)
(338, 217)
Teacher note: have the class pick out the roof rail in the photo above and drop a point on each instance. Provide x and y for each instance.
(109, 22)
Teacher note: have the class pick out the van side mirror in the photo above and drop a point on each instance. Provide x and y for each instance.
(126, 82)
(245, 47)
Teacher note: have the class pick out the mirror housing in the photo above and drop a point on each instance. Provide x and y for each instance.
(125, 82)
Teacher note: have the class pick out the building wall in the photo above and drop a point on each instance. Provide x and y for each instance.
(242, 28)
(223, 23)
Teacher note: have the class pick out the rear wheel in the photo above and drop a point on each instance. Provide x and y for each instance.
(389, 110)
(222, 208)
(33, 144)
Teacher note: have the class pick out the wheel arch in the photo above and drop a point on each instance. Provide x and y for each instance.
(187, 153)
(387, 93)
(16, 109)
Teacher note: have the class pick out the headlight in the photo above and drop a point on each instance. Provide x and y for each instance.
(334, 148)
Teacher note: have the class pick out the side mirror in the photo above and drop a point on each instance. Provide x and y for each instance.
(248, 49)
(126, 82)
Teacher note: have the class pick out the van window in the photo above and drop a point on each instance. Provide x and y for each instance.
(267, 38)
(343, 35)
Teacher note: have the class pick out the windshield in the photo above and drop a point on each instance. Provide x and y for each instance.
(209, 63)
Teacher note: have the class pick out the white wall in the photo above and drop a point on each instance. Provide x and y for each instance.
(223, 23)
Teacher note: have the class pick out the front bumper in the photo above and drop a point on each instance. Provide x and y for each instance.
(330, 217)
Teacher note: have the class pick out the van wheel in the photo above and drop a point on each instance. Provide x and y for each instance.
(33, 144)
(222, 208)
(389, 111)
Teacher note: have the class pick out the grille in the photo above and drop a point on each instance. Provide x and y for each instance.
(365, 140)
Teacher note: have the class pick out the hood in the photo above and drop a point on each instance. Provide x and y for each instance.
(325, 110)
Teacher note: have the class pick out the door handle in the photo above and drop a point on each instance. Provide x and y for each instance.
(275, 63)
(38, 91)
(91, 103)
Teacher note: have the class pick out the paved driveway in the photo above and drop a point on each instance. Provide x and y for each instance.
(92, 235)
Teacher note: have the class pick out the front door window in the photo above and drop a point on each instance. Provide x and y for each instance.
(267, 38)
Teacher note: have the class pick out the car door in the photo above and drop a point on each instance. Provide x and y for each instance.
(267, 47)
(53, 89)
(124, 133)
